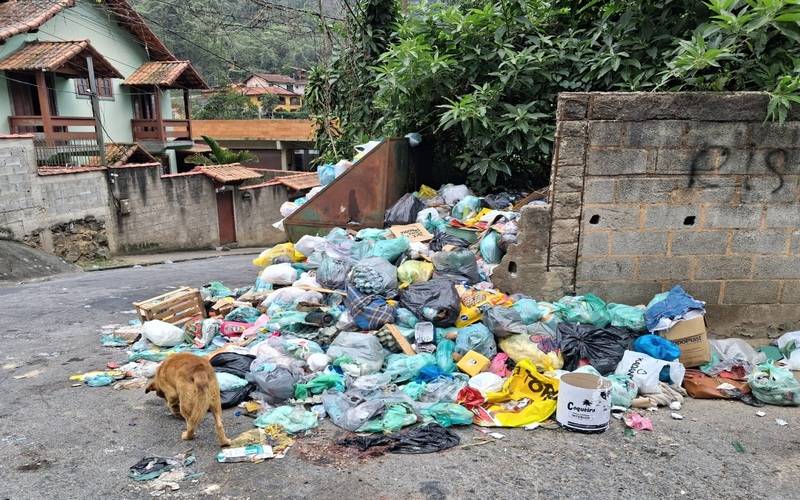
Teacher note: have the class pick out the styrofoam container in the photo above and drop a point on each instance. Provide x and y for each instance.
(584, 402)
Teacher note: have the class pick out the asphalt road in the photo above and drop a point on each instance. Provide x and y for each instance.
(59, 441)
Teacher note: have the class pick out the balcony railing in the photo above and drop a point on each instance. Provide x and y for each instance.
(71, 141)
(160, 130)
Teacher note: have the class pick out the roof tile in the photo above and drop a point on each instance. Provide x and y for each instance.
(166, 74)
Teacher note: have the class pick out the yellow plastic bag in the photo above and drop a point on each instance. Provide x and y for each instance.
(467, 316)
(268, 256)
(414, 271)
(522, 346)
(527, 397)
(426, 192)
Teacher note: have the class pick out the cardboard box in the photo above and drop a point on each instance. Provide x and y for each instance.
(414, 232)
(692, 338)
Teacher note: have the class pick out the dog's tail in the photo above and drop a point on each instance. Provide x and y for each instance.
(201, 380)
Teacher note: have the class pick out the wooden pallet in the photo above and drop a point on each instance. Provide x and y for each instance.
(176, 307)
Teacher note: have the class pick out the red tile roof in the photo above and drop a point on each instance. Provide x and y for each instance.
(67, 58)
(167, 74)
(270, 89)
(21, 16)
(234, 172)
(274, 77)
(297, 182)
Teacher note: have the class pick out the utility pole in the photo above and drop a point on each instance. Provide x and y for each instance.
(98, 125)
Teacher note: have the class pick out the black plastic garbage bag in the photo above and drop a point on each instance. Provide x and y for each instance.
(436, 301)
(404, 211)
(424, 439)
(603, 348)
(499, 201)
(458, 265)
(441, 239)
(233, 363)
(276, 385)
(232, 398)
(503, 321)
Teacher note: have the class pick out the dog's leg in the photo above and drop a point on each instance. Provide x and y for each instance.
(216, 410)
(193, 414)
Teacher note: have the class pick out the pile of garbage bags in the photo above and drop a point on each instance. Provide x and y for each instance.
(377, 333)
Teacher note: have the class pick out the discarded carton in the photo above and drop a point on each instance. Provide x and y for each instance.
(473, 363)
(584, 402)
(413, 232)
(692, 338)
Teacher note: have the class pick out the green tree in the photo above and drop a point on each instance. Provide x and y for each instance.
(227, 104)
(268, 103)
(220, 155)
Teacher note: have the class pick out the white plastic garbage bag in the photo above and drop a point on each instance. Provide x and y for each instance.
(363, 348)
(307, 244)
(644, 370)
(487, 382)
(785, 343)
(279, 274)
(452, 194)
(161, 333)
(287, 207)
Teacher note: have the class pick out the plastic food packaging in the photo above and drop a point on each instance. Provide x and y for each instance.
(161, 333)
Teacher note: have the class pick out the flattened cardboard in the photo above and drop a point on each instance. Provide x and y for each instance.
(414, 232)
(692, 338)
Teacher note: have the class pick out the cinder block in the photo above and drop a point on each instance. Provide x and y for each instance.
(606, 133)
(564, 254)
(593, 243)
(638, 243)
(699, 242)
(791, 292)
(776, 267)
(742, 216)
(656, 133)
(751, 292)
(783, 216)
(646, 189)
(617, 161)
(598, 190)
(775, 135)
(573, 106)
(770, 189)
(723, 267)
(707, 291)
(605, 269)
(567, 205)
(716, 134)
(610, 217)
(640, 106)
(796, 242)
(664, 268)
(686, 161)
(571, 129)
(620, 292)
(671, 217)
(571, 151)
(564, 231)
(761, 242)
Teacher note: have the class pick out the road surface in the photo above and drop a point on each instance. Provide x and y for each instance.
(59, 441)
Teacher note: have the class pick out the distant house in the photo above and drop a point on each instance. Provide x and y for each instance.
(44, 87)
(288, 89)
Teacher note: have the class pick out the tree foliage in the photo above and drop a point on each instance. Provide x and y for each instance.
(220, 155)
(480, 77)
(227, 104)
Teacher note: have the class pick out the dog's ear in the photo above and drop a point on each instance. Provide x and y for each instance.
(150, 387)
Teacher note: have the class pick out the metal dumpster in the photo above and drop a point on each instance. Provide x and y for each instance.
(358, 198)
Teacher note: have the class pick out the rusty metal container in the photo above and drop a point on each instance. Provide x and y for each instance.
(358, 198)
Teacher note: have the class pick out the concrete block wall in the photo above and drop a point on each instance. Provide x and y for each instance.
(21, 203)
(655, 189)
(166, 213)
(255, 211)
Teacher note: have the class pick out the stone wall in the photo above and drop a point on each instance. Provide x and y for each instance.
(655, 189)
(256, 210)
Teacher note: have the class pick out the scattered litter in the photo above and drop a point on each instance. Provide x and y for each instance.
(638, 422)
(781, 422)
(30, 374)
(739, 447)
(761, 414)
(675, 405)
(676, 416)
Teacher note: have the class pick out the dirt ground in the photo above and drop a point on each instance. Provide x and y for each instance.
(59, 441)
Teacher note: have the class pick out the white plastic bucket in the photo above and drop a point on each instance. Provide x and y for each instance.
(584, 402)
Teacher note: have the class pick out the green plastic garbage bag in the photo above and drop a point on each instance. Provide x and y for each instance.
(414, 390)
(402, 367)
(529, 310)
(414, 271)
(774, 385)
(405, 318)
(393, 419)
(372, 233)
(293, 419)
(586, 309)
(319, 384)
(627, 316)
(623, 390)
(389, 249)
(466, 208)
(444, 355)
(490, 248)
(448, 414)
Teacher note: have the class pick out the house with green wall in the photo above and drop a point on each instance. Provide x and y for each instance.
(46, 47)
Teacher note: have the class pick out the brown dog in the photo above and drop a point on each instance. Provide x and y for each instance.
(189, 386)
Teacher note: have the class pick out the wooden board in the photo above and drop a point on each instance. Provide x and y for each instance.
(405, 346)
(176, 307)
